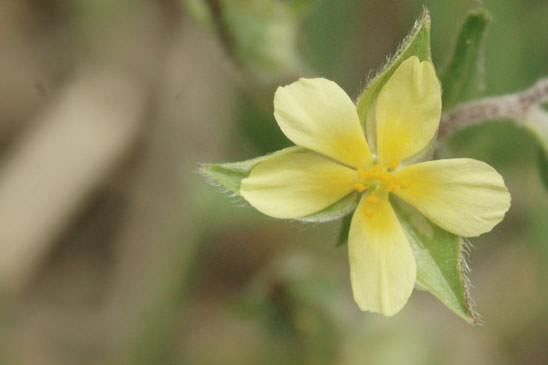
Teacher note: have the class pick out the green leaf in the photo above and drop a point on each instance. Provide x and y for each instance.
(441, 265)
(461, 78)
(536, 123)
(229, 175)
(417, 43)
(543, 166)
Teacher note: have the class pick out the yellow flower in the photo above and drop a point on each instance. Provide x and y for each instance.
(333, 159)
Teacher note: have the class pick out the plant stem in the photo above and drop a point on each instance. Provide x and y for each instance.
(511, 106)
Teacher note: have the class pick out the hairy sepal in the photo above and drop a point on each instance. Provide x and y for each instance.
(228, 176)
(417, 43)
(441, 261)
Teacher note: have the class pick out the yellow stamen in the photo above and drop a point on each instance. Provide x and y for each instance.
(372, 199)
(374, 172)
(384, 177)
(377, 177)
(359, 186)
(394, 164)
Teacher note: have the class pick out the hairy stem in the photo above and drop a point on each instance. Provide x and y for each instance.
(511, 106)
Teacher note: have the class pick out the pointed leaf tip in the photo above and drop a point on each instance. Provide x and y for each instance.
(416, 43)
(462, 77)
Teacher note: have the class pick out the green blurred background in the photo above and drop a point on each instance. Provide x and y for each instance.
(116, 251)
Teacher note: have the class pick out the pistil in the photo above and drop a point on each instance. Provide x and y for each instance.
(375, 181)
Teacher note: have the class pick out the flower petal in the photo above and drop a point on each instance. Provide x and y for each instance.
(319, 115)
(407, 111)
(382, 265)
(464, 196)
(296, 183)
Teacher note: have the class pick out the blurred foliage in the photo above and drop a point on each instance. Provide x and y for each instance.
(543, 165)
(288, 297)
(260, 36)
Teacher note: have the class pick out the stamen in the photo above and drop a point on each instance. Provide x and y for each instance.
(394, 164)
(359, 186)
(377, 177)
(384, 177)
(374, 172)
(372, 199)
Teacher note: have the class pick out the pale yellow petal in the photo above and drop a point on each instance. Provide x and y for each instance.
(319, 115)
(382, 265)
(464, 196)
(296, 183)
(407, 111)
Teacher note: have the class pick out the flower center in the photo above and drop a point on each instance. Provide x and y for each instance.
(376, 182)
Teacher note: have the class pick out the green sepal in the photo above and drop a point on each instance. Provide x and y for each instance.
(229, 176)
(461, 78)
(441, 264)
(417, 43)
(342, 239)
(335, 211)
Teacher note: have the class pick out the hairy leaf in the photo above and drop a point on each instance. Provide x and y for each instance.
(461, 78)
